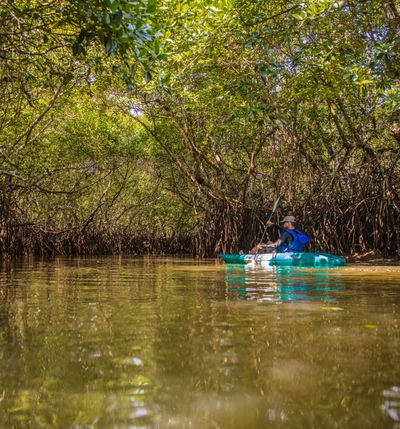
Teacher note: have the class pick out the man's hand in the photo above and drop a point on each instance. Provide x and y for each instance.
(269, 223)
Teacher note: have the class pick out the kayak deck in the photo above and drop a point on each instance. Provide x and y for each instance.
(299, 259)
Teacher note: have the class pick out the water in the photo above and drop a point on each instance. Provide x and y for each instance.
(180, 343)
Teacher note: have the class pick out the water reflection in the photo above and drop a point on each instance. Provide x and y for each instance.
(120, 343)
(391, 405)
(280, 284)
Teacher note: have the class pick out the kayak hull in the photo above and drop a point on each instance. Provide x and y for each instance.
(296, 259)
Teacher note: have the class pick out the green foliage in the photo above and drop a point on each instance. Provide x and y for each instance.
(191, 116)
(123, 28)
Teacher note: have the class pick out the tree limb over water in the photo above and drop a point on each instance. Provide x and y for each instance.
(201, 115)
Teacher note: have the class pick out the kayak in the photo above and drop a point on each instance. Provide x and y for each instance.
(296, 259)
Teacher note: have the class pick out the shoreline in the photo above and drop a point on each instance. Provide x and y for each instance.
(370, 259)
(373, 260)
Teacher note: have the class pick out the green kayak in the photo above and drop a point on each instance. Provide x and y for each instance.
(297, 259)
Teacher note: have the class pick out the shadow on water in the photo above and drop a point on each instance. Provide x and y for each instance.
(280, 284)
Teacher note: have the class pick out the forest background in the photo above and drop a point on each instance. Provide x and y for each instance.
(171, 126)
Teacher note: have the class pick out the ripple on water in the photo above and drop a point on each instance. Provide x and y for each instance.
(132, 343)
(391, 406)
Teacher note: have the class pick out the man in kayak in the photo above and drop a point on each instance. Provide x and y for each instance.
(290, 239)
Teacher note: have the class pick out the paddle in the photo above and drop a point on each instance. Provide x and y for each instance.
(270, 216)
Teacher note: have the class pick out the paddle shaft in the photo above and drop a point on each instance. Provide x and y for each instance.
(270, 217)
(265, 229)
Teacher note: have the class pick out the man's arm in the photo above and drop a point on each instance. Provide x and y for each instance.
(286, 237)
(276, 243)
(269, 223)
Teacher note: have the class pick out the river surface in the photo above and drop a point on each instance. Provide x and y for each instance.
(123, 343)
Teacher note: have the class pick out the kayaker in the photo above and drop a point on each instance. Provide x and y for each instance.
(290, 239)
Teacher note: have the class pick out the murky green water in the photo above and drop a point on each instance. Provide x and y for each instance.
(179, 343)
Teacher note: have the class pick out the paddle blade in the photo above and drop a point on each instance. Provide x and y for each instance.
(275, 204)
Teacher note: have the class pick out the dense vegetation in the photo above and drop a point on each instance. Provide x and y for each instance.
(172, 126)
